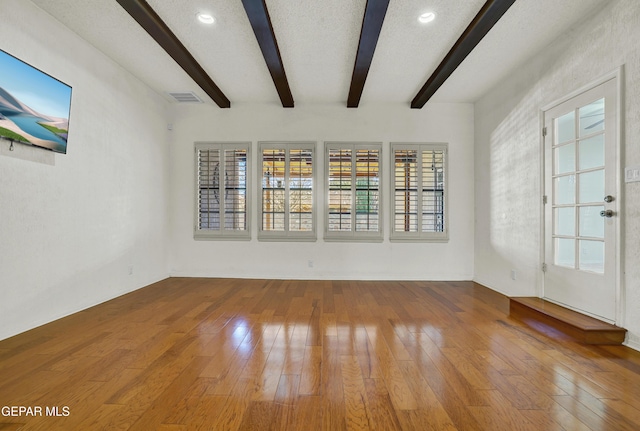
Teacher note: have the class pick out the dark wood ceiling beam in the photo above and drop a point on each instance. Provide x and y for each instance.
(372, 21)
(488, 16)
(261, 24)
(160, 32)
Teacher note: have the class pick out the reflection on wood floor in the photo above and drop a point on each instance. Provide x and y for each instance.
(230, 354)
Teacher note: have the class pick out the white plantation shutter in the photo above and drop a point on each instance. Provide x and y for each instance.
(222, 195)
(353, 208)
(287, 187)
(300, 181)
(433, 190)
(208, 188)
(420, 192)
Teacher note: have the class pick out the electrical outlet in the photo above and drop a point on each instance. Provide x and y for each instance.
(310, 263)
(513, 274)
(130, 269)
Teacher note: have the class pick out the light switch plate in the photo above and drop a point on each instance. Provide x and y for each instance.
(632, 174)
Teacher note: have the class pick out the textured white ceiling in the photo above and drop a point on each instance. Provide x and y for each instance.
(318, 40)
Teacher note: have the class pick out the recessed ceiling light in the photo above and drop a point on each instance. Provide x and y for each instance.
(427, 17)
(206, 18)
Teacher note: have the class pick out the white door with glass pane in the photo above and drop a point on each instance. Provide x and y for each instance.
(582, 206)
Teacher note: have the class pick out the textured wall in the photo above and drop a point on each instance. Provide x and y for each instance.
(508, 153)
(73, 227)
(452, 123)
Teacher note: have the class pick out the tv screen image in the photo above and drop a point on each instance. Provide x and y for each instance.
(34, 106)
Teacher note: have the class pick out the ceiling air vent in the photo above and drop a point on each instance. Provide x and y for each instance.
(185, 97)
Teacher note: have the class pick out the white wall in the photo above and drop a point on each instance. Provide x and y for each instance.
(508, 163)
(72, 226)
(452, 123)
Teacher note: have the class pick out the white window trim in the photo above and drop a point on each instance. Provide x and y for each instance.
(353, 235)
(288, 235)
(222, 234)
(420, 236)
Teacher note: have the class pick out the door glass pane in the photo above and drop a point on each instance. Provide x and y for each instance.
(565, 252)
(592, 256)
(592, 152)
(592, 118)
(591, 186)
(566, 127)
(565, 158)
(591, 223)
(565, 221)
(564, 190)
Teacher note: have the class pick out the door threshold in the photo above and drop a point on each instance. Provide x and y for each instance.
(580, 327)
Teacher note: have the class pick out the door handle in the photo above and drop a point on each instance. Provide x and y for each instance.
(608, 199)
(607, 213)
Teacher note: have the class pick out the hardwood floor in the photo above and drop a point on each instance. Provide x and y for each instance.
(222, 354)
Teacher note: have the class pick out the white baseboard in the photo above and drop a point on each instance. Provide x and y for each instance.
(489, 286)
(320, 276)
(633, 342)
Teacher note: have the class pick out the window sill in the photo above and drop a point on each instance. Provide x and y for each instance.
(287, 238)
(352, 238)
(402, 238)
(219, 237)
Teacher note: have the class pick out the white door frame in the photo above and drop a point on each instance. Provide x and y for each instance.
(618, 75)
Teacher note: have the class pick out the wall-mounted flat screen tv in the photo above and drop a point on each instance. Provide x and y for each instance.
(34, 106)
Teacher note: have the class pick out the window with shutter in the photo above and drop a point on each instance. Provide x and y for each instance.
(420, 190)
(287, 191)
(353, 207)
(222, 195)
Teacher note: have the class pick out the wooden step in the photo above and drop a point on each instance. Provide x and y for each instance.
(582, 328)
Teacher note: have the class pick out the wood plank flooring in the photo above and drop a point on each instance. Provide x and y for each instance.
(231, 354)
